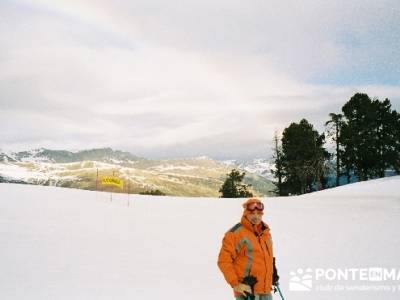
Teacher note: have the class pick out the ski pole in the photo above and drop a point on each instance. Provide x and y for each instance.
(250, 296)
(279, 290)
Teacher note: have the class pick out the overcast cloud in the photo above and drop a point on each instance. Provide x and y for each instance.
(186, 78)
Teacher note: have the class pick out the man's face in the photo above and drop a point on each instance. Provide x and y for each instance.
(255, 217)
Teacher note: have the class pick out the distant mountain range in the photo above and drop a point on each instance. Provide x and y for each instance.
(259, 166)
(201, 176)
(62, 156)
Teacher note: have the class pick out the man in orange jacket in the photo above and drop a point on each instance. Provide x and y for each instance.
(246, 258)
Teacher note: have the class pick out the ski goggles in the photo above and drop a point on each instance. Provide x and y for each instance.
(255, 206)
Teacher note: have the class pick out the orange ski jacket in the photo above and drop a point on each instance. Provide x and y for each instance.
(246, 251)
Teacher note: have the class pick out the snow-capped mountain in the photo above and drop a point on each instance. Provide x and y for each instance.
(63, 156)
(259, 166)
(199, 176)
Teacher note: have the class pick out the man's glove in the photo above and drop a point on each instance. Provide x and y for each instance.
(275, 276)
(242, 289)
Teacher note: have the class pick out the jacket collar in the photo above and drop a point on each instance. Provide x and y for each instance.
(246, 223)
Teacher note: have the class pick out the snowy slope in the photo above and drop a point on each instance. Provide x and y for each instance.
(60, 243)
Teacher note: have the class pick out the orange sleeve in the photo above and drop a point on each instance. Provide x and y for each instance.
(226, 257)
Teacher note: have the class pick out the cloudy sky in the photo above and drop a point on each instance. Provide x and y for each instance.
(165, 79)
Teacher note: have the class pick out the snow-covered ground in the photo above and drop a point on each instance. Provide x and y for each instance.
(60, 243)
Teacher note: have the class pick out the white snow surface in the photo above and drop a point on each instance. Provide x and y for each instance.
(18, 172)
(58, 243)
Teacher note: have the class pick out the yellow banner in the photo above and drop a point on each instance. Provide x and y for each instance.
(112, 180)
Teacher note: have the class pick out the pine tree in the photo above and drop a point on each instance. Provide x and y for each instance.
(233, 187)
(370, 137)
(336, 123)
(386, 137)
(358, 134)
(303, 158)
(278, 170)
